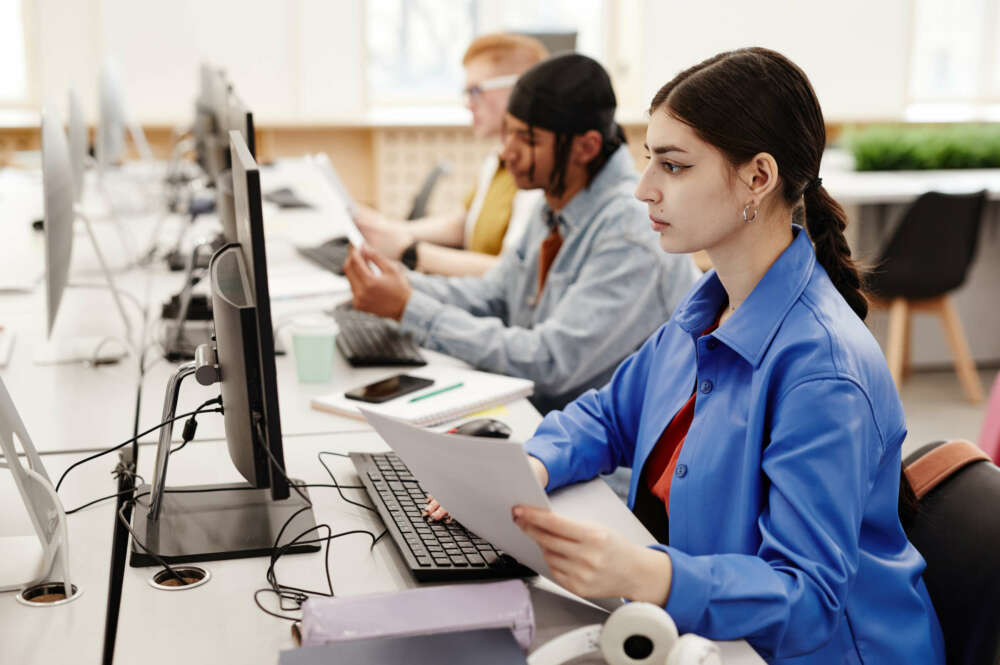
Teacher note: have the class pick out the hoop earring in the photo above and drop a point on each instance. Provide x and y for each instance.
(746, 213)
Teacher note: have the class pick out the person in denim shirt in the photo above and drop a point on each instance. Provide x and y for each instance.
(607, 287)
(761, 421)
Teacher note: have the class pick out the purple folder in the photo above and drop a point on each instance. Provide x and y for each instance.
(422, 611)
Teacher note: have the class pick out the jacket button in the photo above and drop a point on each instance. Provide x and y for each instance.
(706, 386)
(681, 470)
(712, 343)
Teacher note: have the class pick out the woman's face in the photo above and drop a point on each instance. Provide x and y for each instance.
(694, 197)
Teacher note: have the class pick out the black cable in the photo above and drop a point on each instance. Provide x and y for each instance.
(105, 498)
(191, 425)
(134, 439)
(135, 539)
(334, 479)
(286, 592)
(296, 595)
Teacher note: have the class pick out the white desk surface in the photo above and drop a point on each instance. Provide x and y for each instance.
(851, 187)
(219, 621)
(74, 406)
(74, 632)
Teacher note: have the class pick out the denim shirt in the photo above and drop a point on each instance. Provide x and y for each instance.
(609, 287)
(784, 526)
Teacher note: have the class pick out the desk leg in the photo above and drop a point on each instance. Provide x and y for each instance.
(119, 546)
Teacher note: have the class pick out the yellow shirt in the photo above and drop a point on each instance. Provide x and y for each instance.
(494, 216)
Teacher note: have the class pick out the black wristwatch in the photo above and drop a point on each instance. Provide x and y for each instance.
(409, 256)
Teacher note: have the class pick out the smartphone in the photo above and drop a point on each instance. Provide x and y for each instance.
(387, 389)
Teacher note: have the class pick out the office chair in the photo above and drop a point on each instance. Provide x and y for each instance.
(927, 258)
(423, 196)
(957, 532)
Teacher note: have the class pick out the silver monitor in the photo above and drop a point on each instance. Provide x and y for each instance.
(77, 127)
(113, 122)
(57, 183)
(237, 118)
(60, 216)
(211, 122)
(111, 118)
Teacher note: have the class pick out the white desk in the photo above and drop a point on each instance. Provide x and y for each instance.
(74, 632)
(68, 407)
(879, 187)
(219, 622)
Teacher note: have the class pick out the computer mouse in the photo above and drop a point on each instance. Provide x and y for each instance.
(487, 427)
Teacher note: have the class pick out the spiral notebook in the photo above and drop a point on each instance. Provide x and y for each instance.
(455, 393)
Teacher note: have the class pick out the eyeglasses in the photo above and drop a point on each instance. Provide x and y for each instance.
(495, 83)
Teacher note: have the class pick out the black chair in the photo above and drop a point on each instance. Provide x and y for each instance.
(957, 530)
(423, 196)
(927, 258)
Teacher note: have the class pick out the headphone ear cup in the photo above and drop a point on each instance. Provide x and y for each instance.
(691, 649)
(638, 633)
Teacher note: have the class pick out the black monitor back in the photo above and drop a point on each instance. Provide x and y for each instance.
(250, 232)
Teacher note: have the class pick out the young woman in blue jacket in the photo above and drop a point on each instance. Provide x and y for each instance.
(765, 451)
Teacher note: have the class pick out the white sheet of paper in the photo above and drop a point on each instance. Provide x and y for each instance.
(289, 282)
(479, 480)
(336, 198)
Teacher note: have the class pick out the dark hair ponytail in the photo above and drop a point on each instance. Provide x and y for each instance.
(825, 221)
(755, 100)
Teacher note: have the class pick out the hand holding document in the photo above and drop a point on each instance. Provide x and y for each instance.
(480, 481)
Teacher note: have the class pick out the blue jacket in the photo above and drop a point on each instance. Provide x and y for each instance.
(784, 527)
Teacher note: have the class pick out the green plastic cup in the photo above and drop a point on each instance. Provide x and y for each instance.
(312, 344)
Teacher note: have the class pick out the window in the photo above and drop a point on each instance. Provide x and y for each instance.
(954, 60)
(13, 73)
(415, 47)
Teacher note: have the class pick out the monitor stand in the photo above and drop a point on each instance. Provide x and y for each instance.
(225, 522)
(211, 522)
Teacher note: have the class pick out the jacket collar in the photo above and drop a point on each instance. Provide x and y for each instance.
(581, 208)
(752, 326)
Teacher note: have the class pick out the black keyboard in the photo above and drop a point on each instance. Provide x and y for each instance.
(434, 551)
(368, 340)
(329, 255)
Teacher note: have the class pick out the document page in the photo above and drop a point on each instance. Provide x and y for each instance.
(479, 480)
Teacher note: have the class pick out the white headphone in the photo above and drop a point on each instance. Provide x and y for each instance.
(634, 634)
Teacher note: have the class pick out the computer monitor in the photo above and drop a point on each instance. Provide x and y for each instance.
(211, 122)
(111, 118)
(60, 212)
(254, 464)
(58, 194)
(77, 129)
(235, 520)
(241, 119)
(113, 122)
(237, 118)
